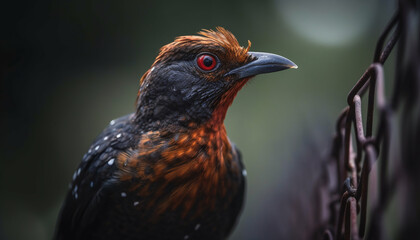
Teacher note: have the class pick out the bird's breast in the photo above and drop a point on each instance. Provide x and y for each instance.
(191, 172)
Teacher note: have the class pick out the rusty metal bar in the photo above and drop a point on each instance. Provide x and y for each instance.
(381, 53)
(352, 170)
(350, 231)
(363, 194)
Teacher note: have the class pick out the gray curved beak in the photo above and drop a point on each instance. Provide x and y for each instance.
(263, 63)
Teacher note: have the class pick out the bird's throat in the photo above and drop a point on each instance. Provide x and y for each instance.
(219, 113)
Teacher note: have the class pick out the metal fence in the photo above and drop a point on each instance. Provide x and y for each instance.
(359, 144)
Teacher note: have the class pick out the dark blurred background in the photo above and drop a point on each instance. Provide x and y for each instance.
(69, 67)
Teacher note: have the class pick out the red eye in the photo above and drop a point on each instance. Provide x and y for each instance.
(206, 62)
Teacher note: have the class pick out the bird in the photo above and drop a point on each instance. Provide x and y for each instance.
(168, 170)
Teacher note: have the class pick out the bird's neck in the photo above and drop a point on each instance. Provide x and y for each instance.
(219, 113)
(159, 110)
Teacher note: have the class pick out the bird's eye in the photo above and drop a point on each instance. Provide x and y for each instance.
(206, 62)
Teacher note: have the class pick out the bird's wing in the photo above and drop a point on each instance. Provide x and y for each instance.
(238, 199)
(94, 179)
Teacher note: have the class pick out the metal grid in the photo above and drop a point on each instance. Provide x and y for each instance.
(354, 158)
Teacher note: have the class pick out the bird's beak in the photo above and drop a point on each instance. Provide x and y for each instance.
(263, 63)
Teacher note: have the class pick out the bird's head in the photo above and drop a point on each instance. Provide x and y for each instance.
(196, 78)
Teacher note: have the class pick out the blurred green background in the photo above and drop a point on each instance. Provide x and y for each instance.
(69, 67)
